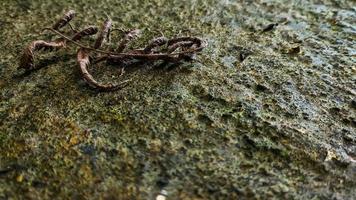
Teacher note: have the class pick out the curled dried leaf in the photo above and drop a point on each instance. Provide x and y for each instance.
(84, 62)
(64, 20)
(104, 33)
(28, 56)
(188, 56)
(195, 40)
(129, 36)
(156, 42)
(189, 46)
(269, 27)
(177, 45)
(91, 30)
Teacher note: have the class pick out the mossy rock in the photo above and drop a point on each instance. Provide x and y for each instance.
(259, 115)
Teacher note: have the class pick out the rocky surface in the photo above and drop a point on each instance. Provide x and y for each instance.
(267, 111)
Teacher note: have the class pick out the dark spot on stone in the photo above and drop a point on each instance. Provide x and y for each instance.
(353, 104)
(5, 170)
(269, 27)
(141, 142)
(162, 182)
(88, 149)
(346, 121)
(353, 121)
(248, 141)
(294, 50)
(211, 189)
(205, 120)
(226, 117)
(243, 56)
(113, 152)
(10, 168)
(188, 142)
(305, 116)
(183, 150)
(38, 184)
(242, 52)
(289, 114)
(335, 110)
(262, 88)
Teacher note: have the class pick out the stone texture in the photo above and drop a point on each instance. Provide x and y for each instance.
(261, 115)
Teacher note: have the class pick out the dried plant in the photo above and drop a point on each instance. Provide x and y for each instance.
(129, 36)
(64, 20)
(104, 33)
(160, 48)
(91, 30)
(28, 56)
(83, 60)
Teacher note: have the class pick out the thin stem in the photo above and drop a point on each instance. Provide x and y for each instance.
(122, 54)
(72, 28)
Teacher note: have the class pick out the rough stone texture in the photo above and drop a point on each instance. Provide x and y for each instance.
(262, 115)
